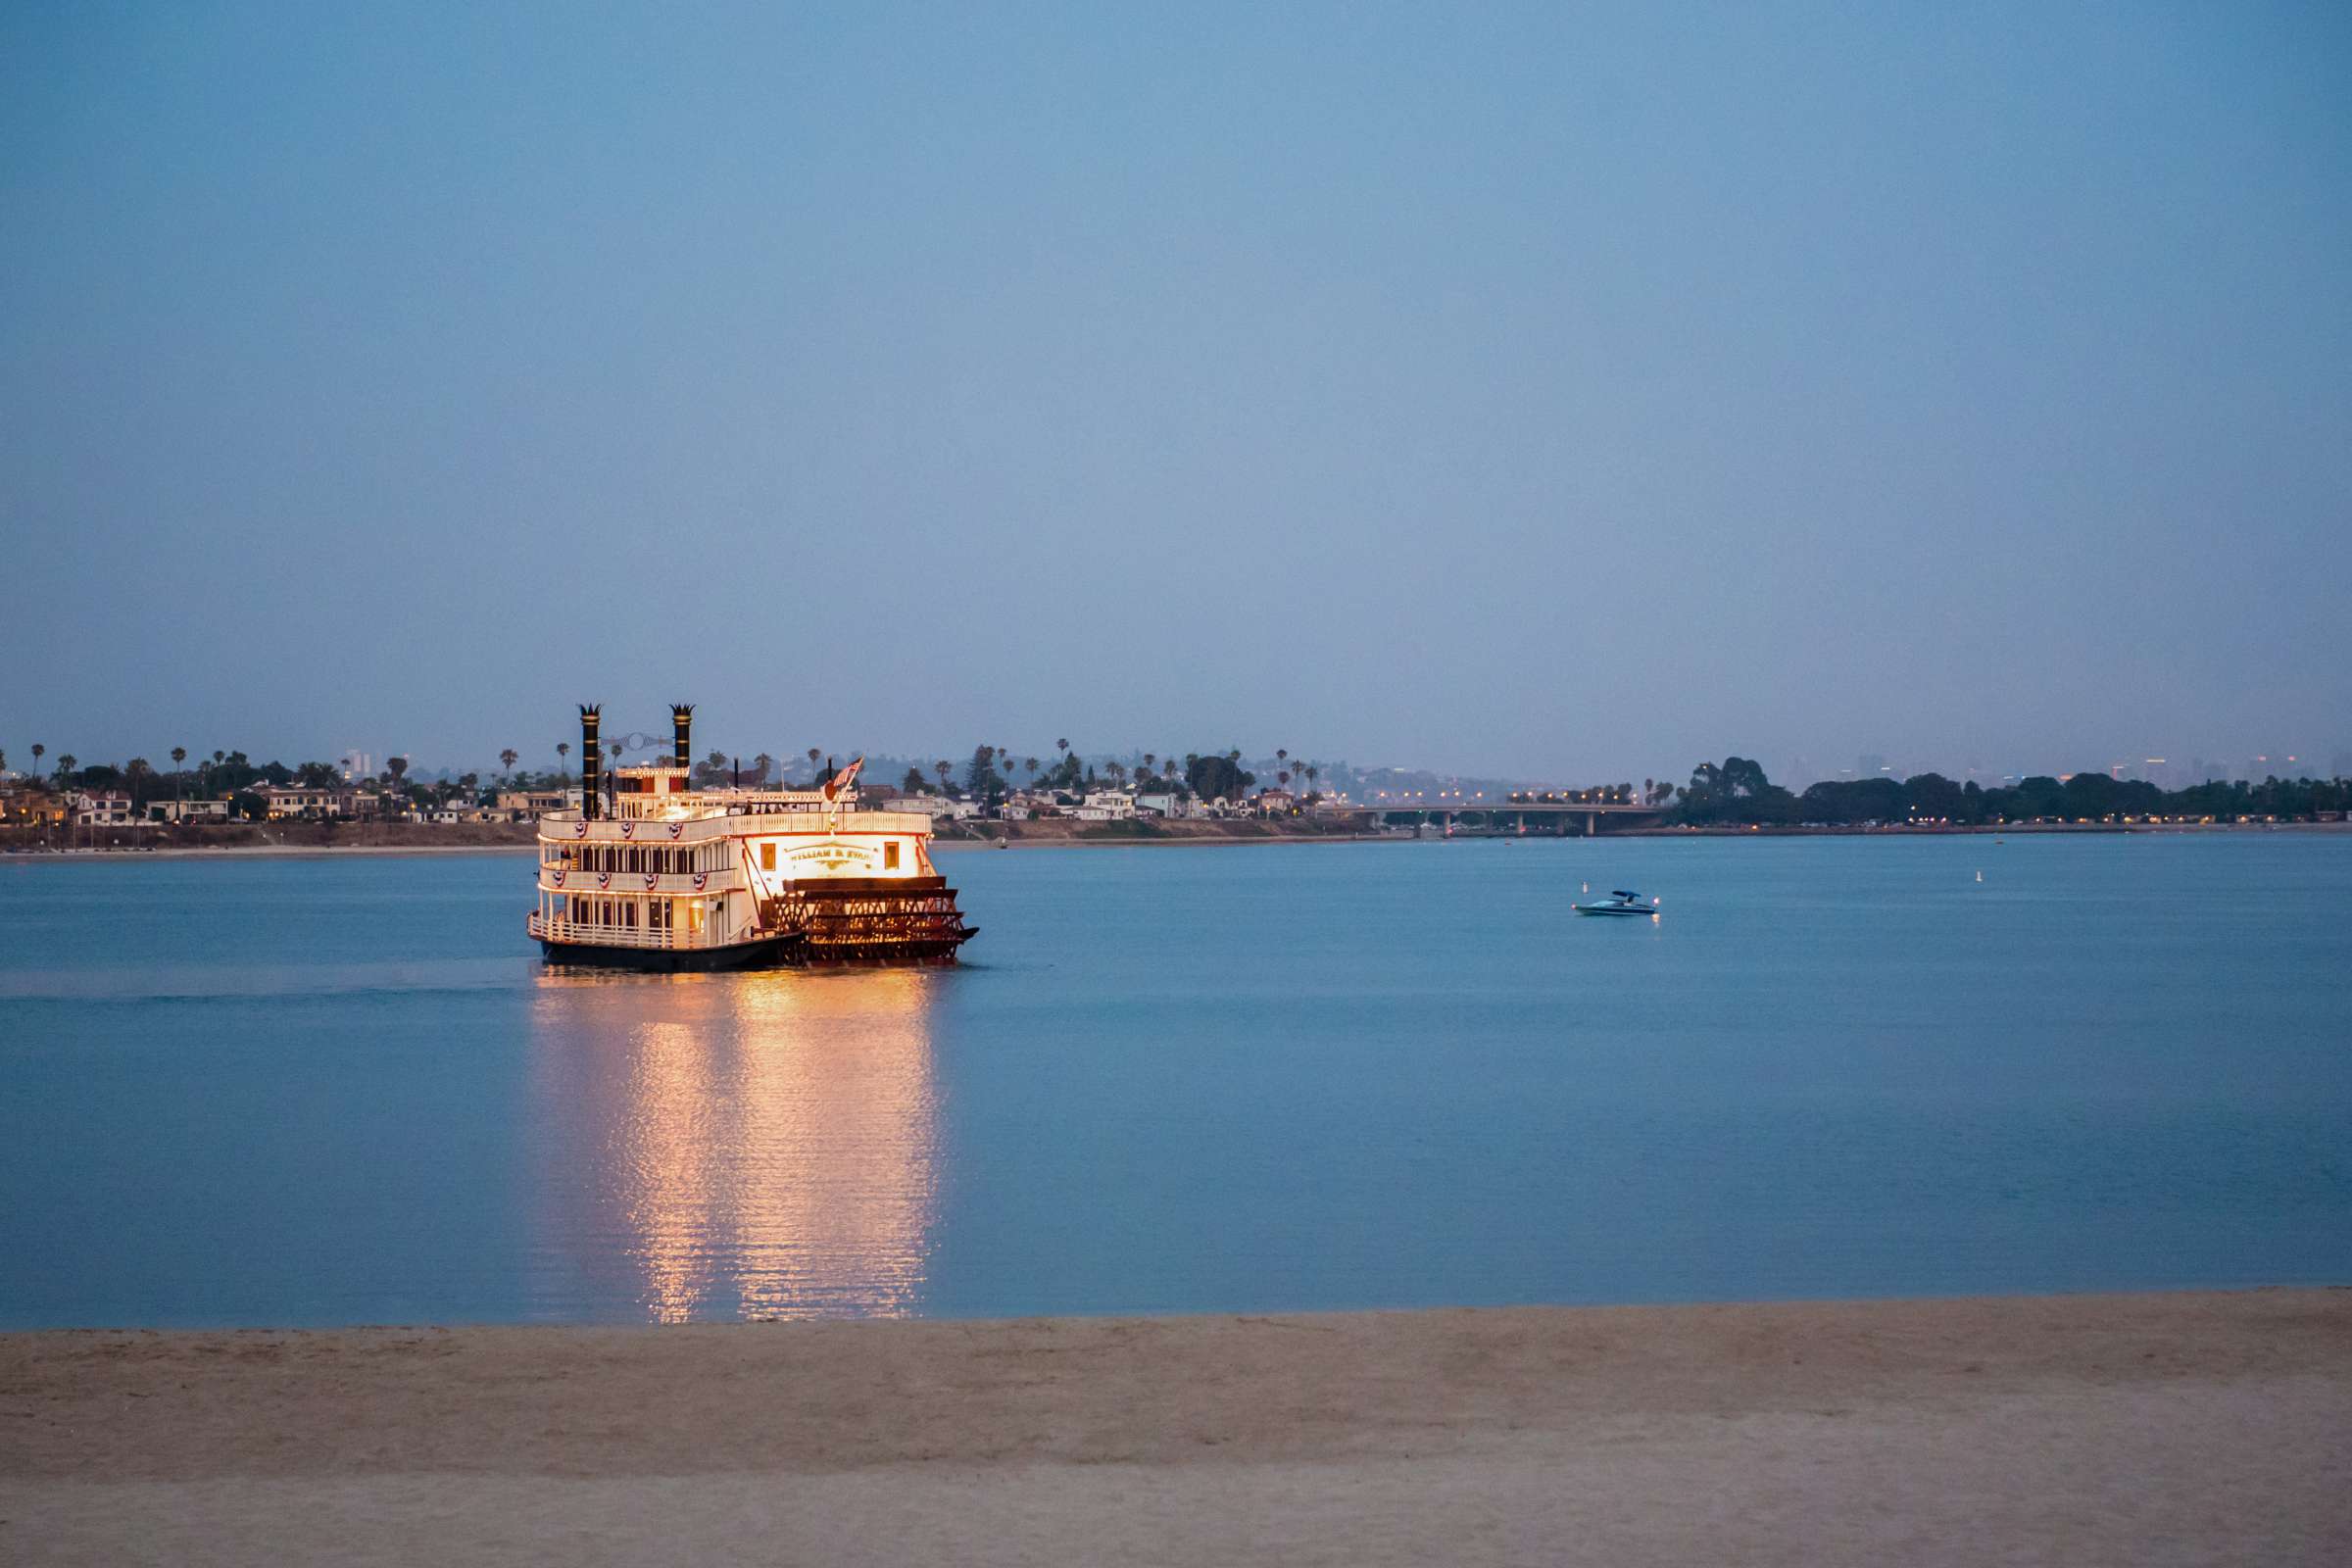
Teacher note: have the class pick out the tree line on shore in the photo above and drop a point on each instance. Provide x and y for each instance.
(1735, 793)
(991, 773)
(995, 773)
(238, 778)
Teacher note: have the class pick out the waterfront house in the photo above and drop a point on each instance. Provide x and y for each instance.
(1166, 804)
(1106, 806)
(933, 807)
(284, 802)
(528, 805)
(32, 807)
(170, 811)
(21, 804)
(102, 810)
(1277, 803)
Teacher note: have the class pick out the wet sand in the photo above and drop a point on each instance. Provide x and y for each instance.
(2204, 1428)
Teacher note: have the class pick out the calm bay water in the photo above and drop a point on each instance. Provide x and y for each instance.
(339, 1091)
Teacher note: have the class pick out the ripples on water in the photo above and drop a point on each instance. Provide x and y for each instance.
(1310, 1077)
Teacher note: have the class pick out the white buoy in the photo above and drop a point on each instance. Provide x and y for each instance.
(1979, 876)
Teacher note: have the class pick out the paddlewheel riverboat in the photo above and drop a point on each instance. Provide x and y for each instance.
(653, 873)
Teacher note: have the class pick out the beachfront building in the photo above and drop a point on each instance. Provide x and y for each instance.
(173, 811)
(1106, 806)
(528, 805)
(32, 807)
(298, 803)
(1277, 803)
(933, 807)
(1168, 804)
(103, 810)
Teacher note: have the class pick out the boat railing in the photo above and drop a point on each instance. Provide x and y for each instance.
(543, 929)
(624, 884)
(563, 827)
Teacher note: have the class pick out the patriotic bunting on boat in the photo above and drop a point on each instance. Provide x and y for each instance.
(604, 879)
(579, 829)
(628, 829)
(675, 828)
(701, 878)
(559, 875)
(650, 879)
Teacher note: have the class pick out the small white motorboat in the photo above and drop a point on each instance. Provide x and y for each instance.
(1621, 900)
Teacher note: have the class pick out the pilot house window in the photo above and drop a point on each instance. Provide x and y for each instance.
(767, 856)
(890, 856)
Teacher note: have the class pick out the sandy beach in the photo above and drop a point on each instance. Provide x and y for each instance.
(2202, 1428)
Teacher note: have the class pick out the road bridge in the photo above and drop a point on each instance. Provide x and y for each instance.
(1561, 819)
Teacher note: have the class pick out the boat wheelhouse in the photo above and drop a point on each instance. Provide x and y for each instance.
(653, 873)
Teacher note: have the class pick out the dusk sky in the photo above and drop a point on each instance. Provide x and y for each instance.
(1546, 391)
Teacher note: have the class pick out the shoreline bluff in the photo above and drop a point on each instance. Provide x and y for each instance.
(2179, 1427)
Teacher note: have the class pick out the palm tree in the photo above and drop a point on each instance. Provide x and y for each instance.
(64, 764)
(563, 762)
(400, 769)
(1030, 762)
(1312, 773)
(943, 768)
(815, 755)
(507, 758)
(179, 754)
(37, 750)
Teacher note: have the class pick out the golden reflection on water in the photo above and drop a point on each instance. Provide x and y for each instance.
(722, 1146)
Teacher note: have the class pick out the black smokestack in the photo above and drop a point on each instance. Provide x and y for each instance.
(592, 761)
(681, 727)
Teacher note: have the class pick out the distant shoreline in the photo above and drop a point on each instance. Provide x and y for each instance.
(1189, 841)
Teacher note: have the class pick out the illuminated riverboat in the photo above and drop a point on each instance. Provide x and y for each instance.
(653, 873)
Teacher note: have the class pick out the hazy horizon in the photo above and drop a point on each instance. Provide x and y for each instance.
(1534, 392)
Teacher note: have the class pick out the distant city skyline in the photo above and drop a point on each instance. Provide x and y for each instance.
(1531, 391)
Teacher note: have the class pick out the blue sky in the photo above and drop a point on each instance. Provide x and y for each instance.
(1548, 391)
